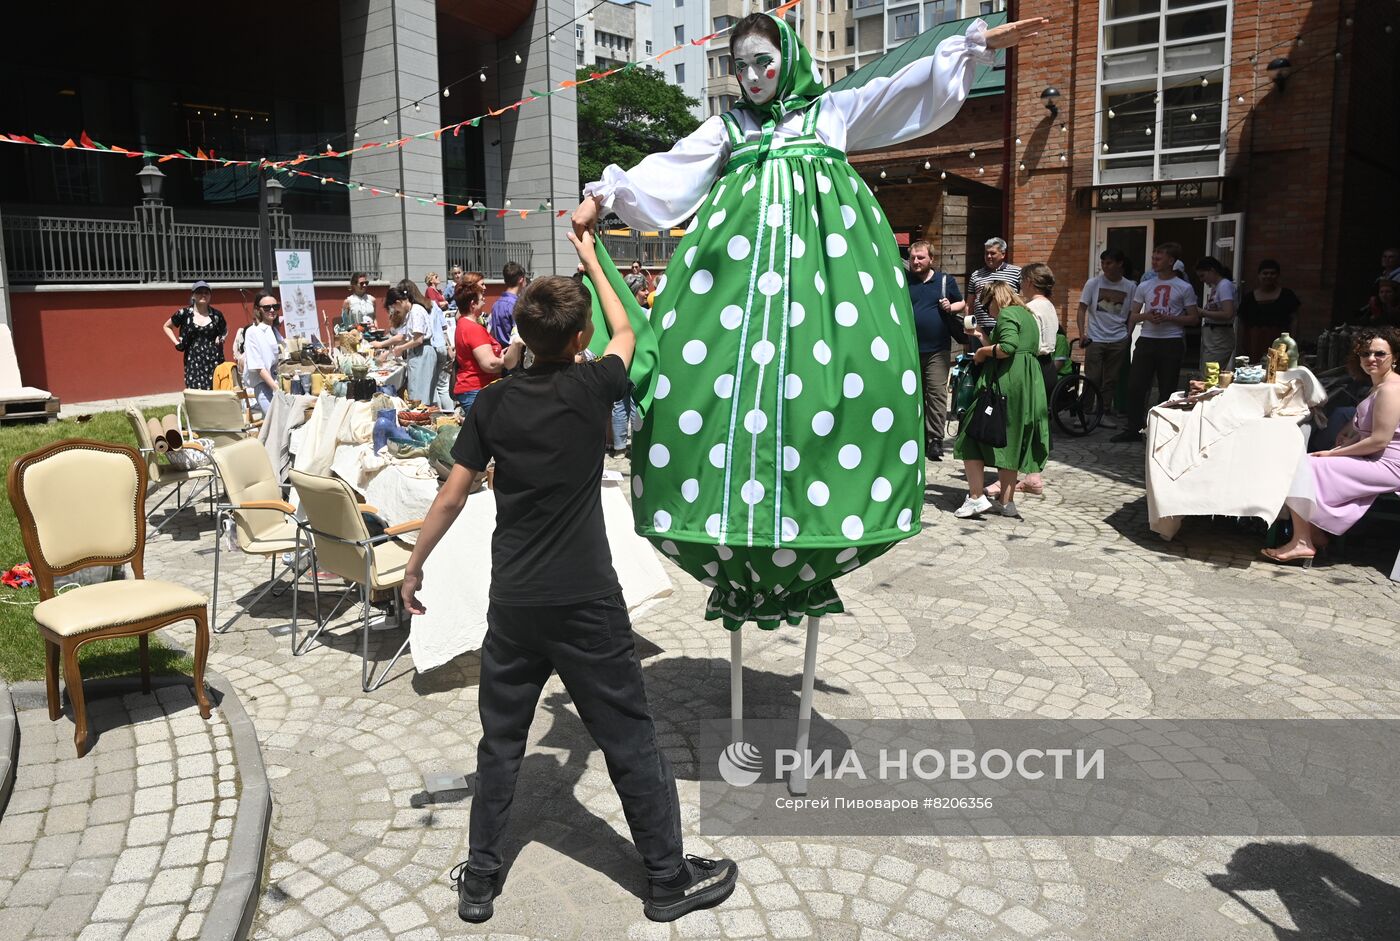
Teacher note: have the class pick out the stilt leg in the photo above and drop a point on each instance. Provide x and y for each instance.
(797, 782)
(736, 686)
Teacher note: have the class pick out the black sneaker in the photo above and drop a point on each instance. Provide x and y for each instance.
(475, 894)
(703, 883)
(1124, 437)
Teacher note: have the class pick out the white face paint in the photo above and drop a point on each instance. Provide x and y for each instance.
(757, 65)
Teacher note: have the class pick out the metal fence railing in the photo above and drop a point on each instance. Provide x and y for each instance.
(41, 249)
(488, 255)
(154, 249)
(654, 251)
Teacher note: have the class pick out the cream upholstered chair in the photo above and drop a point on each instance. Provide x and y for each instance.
(82, 504)
(164, 476)
(220, 415)
(263, 523)
(341, 544)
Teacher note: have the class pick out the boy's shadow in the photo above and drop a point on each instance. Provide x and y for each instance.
(1328, 898)
(547, 809)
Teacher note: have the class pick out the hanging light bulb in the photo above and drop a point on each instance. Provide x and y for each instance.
(386, 120)
(943, 175)
(357, 135)
(1064, 128)
(551, 37)
(1240, 99)
(1023, 165)
(507, 203)
(1112, 113)
(972, 155)
(908, 179)
(927, 165)
(1018, 142)
(1156, 98)
(416, 107)
(517, 58)
(981, 170)
(1205, 82)
(1193, 117)
(1104, 148)
(482, 76)
(447, 93)
(877, 188)
(1147, 131)
(882, 174)
(1064, 158)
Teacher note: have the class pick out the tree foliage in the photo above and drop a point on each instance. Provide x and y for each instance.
(628, 116)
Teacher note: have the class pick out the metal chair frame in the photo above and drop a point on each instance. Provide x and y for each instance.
(225, 511)
(367, 546)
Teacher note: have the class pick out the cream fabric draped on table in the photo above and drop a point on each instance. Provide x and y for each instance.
(1235, 455)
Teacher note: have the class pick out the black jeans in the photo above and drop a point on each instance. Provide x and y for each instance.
(591, 645)
(1158, 359)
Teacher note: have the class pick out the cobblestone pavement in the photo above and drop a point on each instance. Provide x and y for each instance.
(1076, 611)
(127, 842)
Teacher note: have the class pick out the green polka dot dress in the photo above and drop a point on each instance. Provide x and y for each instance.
(782, 446)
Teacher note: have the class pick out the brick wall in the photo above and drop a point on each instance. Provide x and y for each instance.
(1312, 166)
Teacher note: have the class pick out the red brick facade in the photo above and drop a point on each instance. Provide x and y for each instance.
(1314, 167)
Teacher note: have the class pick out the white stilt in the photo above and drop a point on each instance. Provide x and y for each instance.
(797, 781)
(736, 686)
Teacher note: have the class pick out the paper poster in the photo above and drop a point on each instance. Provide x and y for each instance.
(296, 282)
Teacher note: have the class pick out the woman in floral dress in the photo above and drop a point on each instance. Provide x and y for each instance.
(782, 446)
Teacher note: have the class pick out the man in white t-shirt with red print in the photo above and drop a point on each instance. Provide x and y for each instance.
(1165, 306)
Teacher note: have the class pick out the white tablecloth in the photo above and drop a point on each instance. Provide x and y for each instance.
(457, 577)
(1234, 455)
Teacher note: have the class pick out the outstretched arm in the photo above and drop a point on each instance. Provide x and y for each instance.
(926, 94)
(441, 515)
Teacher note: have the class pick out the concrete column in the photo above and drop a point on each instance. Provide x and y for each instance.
(389, 50)
(539, 142)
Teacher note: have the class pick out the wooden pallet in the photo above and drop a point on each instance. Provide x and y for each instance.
(29, 409)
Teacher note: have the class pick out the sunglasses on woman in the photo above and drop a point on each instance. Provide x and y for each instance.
(269, 307)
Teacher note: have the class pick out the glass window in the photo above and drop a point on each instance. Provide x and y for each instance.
(724, 22)
(578, 30)
(940, 11)
(680, 35)
(648, 47)
(680, 74)
(850, 36)
(1120, 9)
(1157, 120)
(904, 26)
(1135, 33)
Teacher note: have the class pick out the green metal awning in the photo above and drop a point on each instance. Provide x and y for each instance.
(990, 80)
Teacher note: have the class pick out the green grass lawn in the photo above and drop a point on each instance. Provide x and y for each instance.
(21, 651)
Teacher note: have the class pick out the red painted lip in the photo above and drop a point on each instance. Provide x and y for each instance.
(755, 89)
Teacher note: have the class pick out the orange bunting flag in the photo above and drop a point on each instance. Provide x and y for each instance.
(437, 135)
(199, 154)
(785, 7)
(524, 213)
(460, 210)
(568, 83)
(659, 56)
(69, 145)
(167, 157)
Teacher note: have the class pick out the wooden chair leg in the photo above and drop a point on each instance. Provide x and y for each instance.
(51, 679)
(74, 681)
(201, 655)
(145, 644)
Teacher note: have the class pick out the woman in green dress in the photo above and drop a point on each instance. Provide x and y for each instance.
(1009, 361)
(781, 447)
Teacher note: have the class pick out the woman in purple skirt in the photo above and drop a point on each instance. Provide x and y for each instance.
(1364, 464)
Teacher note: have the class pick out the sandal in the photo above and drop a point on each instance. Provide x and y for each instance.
(1035, 490)
(1273, 557)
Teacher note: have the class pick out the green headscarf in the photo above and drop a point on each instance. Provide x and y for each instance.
(799, 80)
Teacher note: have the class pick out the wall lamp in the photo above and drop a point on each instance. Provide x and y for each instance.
(1279, 70)
(1051, 98)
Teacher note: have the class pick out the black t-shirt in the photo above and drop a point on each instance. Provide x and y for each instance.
(929, 322)
(1276, 313)
(544, 427)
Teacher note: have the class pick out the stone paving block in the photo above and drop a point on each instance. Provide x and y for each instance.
(104, 931)
(55, 850)
(185, 850)
(120, 901)
(173, 885)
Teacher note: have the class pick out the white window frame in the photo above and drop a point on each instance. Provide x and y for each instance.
(1101, 222)
(1160, 76)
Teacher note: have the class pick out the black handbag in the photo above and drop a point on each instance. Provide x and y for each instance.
(986, 421)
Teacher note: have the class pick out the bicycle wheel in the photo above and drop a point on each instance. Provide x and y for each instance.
(1076, 405)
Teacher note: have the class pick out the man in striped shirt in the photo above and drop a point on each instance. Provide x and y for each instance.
(996, 269)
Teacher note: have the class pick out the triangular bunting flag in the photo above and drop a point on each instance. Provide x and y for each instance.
(501, 213)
